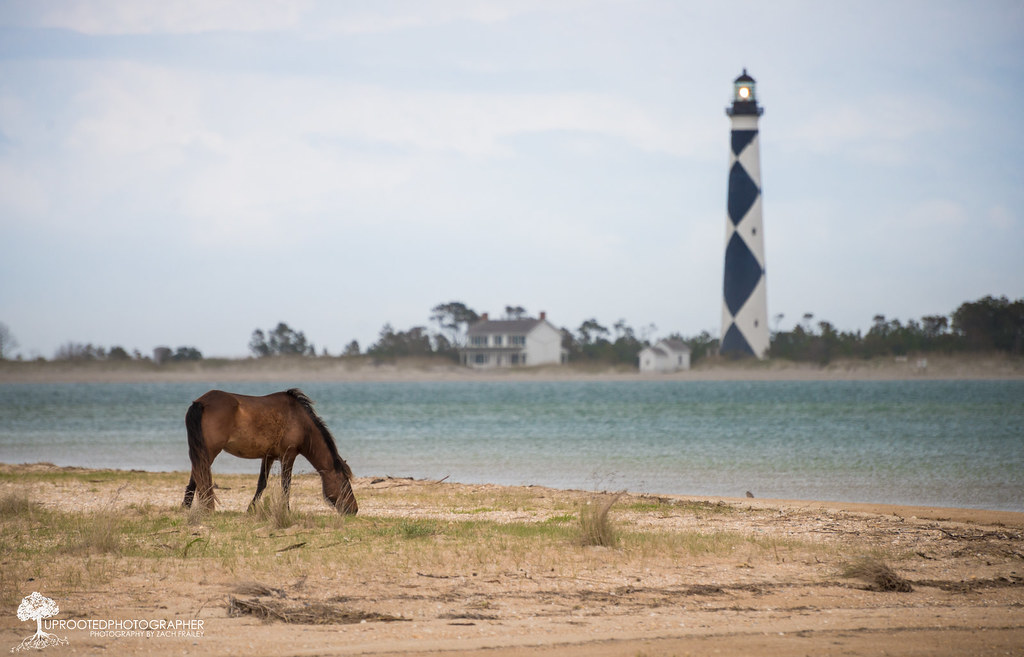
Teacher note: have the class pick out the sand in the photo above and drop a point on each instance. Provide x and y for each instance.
(981, 366)
(697, 577)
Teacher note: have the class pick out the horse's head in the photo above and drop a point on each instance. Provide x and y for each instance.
(338, 489)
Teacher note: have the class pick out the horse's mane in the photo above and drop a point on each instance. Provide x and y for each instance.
(339, 463)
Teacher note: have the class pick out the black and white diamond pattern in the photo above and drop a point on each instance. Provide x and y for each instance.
(744, 308)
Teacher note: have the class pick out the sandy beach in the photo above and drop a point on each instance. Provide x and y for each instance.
(435, 568)
(366, 369)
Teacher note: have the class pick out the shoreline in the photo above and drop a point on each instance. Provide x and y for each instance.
(362, 369)
(917, 511)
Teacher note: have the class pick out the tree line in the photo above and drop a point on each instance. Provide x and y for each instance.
(79, 352)
(986, 325)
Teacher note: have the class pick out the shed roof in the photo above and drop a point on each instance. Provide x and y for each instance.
(675, 345)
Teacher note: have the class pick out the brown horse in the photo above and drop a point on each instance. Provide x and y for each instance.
(279, 426)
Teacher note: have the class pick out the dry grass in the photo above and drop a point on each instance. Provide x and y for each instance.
(256, 589)
(273, 508)
(14, 504)
(99, 532)
(595, 527)
(878, 575)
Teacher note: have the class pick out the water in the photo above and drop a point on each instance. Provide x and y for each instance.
(938, 443)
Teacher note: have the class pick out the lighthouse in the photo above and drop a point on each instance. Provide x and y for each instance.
(744, 296)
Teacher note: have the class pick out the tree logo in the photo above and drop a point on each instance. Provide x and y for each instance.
(37, 607)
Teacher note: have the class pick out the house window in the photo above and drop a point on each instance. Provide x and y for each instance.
(497, 340)
(480, 359)
(478, 341)
(517, 340)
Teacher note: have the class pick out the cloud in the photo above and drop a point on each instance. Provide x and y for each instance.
(114, 17)
(876, 129)
(473, 124)
(317, 19)
(21, 194)
(1001, 218)
(392, 16)
(936, 214)
(246, 154)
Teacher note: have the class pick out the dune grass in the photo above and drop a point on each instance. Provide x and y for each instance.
(273, 509)
(595, 527)
(876, 574)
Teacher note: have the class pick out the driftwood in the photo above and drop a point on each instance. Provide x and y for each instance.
(310, 613)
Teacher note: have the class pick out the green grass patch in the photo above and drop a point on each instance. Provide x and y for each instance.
(57, 474)
(643, 506)
(412, 529)
(476, 511)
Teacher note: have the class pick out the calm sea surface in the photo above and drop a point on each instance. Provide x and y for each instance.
(939, 443)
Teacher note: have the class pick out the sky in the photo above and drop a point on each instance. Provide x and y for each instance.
(184, 172)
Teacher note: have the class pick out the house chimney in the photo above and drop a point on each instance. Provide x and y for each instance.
(483, 317)
(543, 315)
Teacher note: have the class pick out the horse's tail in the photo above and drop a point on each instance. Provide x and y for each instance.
(199, 455)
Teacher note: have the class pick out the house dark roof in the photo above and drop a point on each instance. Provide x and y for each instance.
(503, 326)
(670, 346)
(675, 345)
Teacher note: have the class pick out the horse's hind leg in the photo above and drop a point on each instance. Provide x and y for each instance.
(261, 483)
(200, 493)
(200, 485)
(190, 493)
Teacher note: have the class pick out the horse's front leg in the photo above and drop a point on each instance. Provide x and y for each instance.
(261, 483)
(287, 461)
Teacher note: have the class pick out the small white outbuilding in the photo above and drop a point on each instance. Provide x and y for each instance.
(668, 355)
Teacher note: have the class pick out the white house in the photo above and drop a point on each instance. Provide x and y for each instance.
(513, 343)
(669, 355)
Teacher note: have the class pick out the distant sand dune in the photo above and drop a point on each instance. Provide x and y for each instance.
(366, 369)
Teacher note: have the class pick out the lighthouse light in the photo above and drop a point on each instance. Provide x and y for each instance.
(745, 93)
